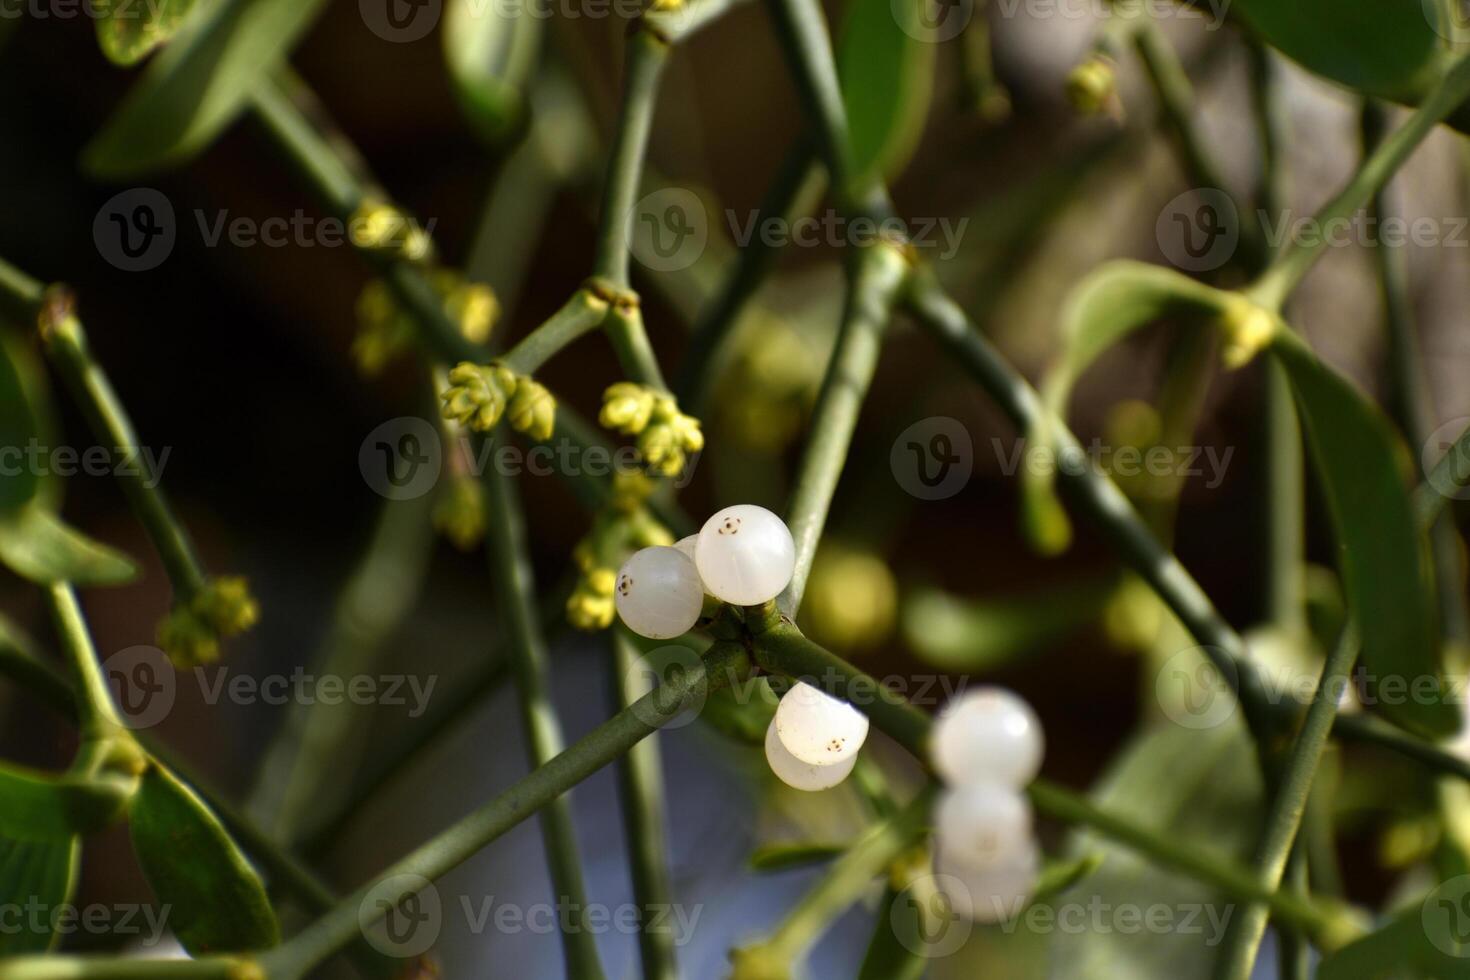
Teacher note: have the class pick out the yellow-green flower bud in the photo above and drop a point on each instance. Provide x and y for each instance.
(460, 513)
(687, 431)
(533, 410)
(379, 226)
(646, 532)
(1248, 328)
(478, 394)
(1092, 87)
(191, 632)
(474, 307)
(591, 605)
(630, 488)
(661, 449)
(186, 639)
(626, 407)
(227, 605)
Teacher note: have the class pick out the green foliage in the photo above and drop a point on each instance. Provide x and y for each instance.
(129, 30)
(198, 84)
(39, 807)
(492, 52)
(1380, 551)
(793, 854)
(887, 78)
(219, 904)
(40, 874)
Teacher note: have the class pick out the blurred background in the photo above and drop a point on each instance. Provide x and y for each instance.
(240, 360)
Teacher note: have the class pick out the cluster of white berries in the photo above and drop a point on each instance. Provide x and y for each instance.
(987, 746)
(743, 555)
(813, 741)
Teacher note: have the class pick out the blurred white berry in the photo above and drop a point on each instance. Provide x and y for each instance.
(801, 775)
(981, 824)
(687, 545)
(745, 555)
(658, 593)
(989, 734)
(997, 893)
(817, 728)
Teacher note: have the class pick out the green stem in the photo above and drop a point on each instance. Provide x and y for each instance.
(516, 587)
(1243, 936)
(1285, 544)
(640, 783)
(843, 884)
(1294, 259)
(646, 54)
(21, 296)
(96, 715)
(788, 196)
(583, 313)
(873, 289)
(320, 165)
(624, 328)
(723, 664)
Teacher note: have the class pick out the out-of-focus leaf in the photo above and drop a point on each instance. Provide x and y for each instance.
(35, 874)
(37, 545)
(1105, 307)
(1200, 788)
(792, 854)
(888, 957)
(219, 904)
(887, 76)
(39, 807)
(1379, 549)
(492, 51)
(976, 635)
(19, 425)
(1404, 948)
(129, 30)
(1388, 48)
(1059, 877)
(198, 84)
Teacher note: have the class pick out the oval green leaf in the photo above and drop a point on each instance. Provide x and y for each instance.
(793, 854)
(219, 904)
(40, 874)
(36, 806)
(198, 84)
(38, 546)
(887, 78)
(1109, 304)
(1380, 557)
(1404, 946)
(891, 951)
(129, 30)
(492, 52)
(1387, 48)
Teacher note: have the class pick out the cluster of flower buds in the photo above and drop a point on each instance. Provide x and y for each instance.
(190, 634)
(480, 394)
(666, 436)
(385, 329)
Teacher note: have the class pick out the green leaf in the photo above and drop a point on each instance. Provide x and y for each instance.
(1387, 48)
(1107, 306)
(35, 874)
(793, 854)
(492, 52)
(1380, 556)
(1201, 788)
(19, 425)
(36, 806)
(219, 904)
(977, 635)
(1059, 877)
(888, 957)
(37, 545)
(887, 77)
(198, 84)
(1403, 948)
(129, 30)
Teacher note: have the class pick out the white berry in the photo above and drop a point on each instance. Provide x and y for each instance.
(817, 728)
(997, 893)
(981, 824)
(801, 775)
(658, 593)
(745, 555)
(989, 734)
(687, 545)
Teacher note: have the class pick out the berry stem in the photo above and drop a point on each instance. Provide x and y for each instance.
(96, 715)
